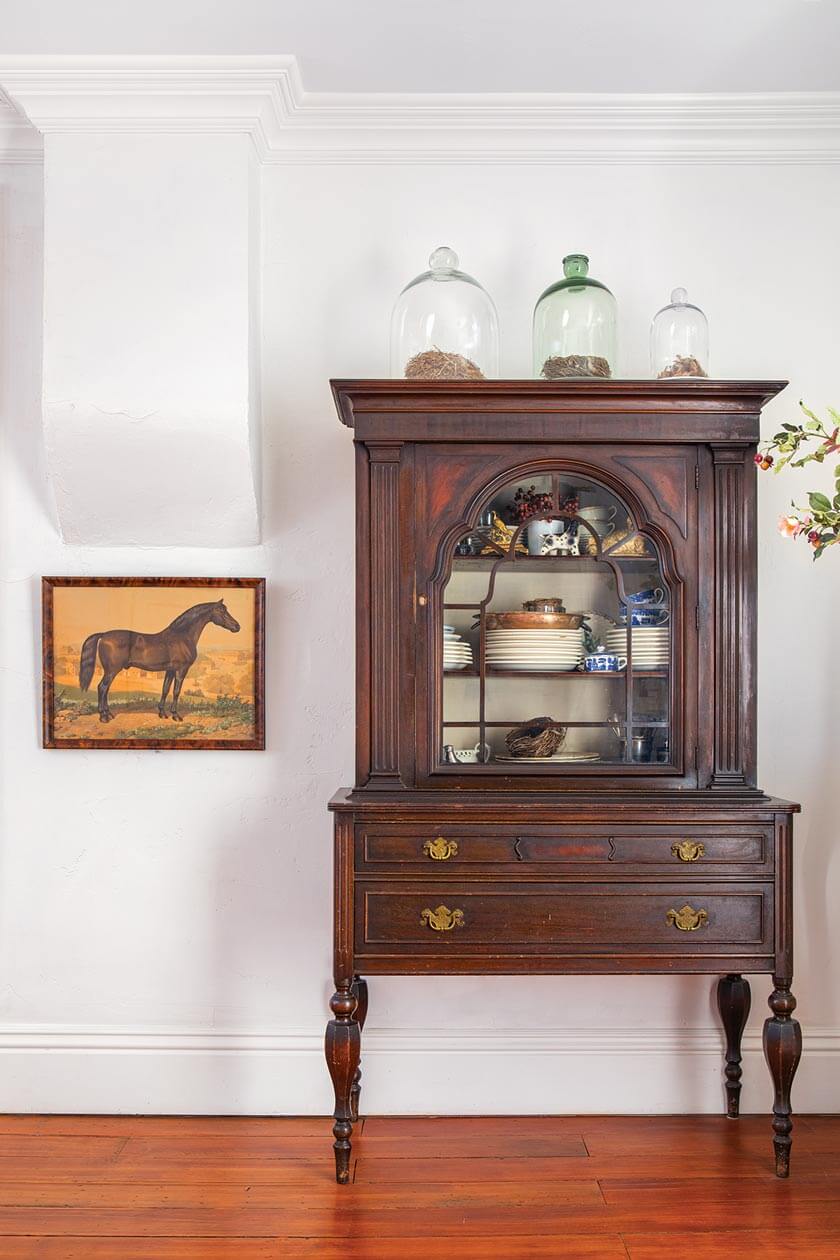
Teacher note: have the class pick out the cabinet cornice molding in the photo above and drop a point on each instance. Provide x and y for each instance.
(264, 96)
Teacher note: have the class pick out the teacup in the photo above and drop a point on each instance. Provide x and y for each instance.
(470, 756)
(604, 663)
(598, 513)
(654, 595)
(648, 617)
(601, 519)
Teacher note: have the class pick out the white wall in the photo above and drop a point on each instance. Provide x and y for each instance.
(165, 917)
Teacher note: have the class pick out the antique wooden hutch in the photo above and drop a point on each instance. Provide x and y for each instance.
(645, 846)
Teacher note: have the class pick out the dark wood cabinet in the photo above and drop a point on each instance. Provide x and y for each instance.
(641, 844)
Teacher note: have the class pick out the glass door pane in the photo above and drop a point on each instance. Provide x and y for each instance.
(556, 636)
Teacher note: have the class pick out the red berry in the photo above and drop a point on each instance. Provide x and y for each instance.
(759, 458)
(814, 537)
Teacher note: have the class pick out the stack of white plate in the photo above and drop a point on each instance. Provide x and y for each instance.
(651, 645)
(457, 653)
(539, 651)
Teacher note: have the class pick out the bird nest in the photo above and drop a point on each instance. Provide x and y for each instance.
(539, 737)
(558, 366)
(440, 365)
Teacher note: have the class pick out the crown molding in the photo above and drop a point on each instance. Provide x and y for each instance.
(264, 97)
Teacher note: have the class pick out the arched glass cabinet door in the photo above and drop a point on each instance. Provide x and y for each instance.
(557, 638)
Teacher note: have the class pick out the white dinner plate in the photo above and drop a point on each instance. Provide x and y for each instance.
(535, 636)
(533, 656)
(568, 756)
(535, 667)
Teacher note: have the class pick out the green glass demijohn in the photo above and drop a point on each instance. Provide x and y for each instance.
(575, 326)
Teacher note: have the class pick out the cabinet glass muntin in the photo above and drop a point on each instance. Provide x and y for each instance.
(603, 566)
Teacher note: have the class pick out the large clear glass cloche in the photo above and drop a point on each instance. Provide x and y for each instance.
(679, 339)
(575, 325)
(444, 325)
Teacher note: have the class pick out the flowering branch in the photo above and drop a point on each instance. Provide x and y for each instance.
(798, 445)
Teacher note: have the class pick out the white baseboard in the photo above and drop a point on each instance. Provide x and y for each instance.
(476, 1071)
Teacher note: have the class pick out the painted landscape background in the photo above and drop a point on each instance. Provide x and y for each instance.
(217, 700)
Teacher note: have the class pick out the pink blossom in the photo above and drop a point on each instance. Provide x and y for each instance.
(789, 526)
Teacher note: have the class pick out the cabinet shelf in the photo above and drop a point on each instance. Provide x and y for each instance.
(560, 675)
(534, 564)
(468, 726)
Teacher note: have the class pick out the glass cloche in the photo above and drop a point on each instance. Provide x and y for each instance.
(575, 325)
(444, 325)
(679, 339)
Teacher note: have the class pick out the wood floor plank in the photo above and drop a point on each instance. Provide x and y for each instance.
(334, 1221)
(511, 1247)
(156, 1126)
(474, 1145)
(734, 1192)
(242, 1172)
(649, 1163)
(373, 1223)
(403, 1197)
(776, 1244)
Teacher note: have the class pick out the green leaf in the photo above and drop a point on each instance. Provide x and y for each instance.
(818, 502)
(809, 413)
(813, 426)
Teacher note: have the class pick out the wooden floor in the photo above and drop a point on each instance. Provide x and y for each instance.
(114, 1188)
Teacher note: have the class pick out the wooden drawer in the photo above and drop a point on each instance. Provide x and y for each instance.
(441, 849)
(592, 918)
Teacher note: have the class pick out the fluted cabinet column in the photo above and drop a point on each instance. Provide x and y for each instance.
(384, 612)
(734, 620)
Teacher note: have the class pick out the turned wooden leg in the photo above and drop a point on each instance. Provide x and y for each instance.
(782, 1050)
(342, 1046)
(733, 996)
(359, 987)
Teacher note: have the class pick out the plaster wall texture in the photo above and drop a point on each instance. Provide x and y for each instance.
(165, 917)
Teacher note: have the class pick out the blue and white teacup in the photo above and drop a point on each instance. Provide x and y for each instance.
(603, 663)
(647, 616)
(654, 595)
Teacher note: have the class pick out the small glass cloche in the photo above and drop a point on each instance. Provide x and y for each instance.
(444, 325)
(679, 339)
(575, 323)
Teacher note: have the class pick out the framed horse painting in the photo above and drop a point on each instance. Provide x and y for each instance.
(153, 662)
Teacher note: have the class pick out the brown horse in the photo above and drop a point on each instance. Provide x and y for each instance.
(172, 651)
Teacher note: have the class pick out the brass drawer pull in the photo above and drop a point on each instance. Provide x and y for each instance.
(440, 850)
(442, 919)
(689, 850)
(687, 920)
